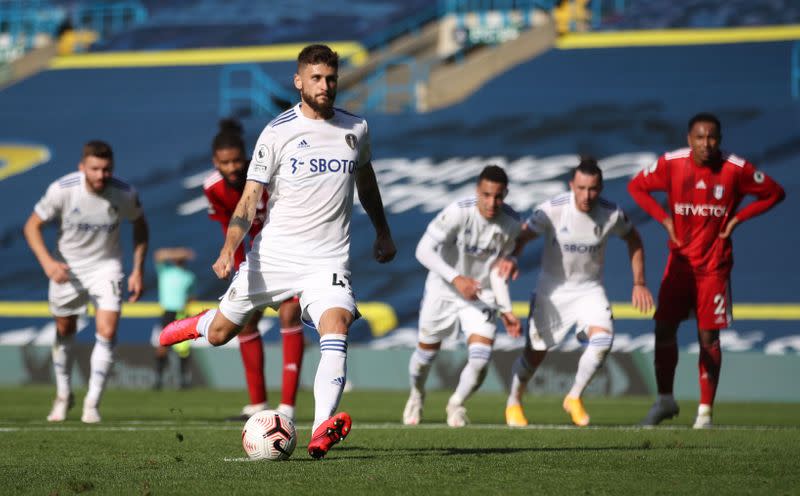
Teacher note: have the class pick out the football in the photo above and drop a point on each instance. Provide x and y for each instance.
(269, 435)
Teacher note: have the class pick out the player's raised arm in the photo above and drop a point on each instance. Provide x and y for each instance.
(55, 270)
(641, 297)
(238, 227)
(140, 240)
(384, 249)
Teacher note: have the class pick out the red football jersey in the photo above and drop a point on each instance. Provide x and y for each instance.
(222, 201)
(701, 199)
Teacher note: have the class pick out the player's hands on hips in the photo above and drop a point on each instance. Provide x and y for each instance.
(135, 285)
(642, 299)
(726, 233)
(512, 323)
(467, 287)
(507, 267)
(670, 227)
(57, 271)
(222, 267)
(384, 250)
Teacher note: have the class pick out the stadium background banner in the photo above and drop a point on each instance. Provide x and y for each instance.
(623, 105)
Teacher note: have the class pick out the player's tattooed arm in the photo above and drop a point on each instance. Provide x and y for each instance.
(238, 226)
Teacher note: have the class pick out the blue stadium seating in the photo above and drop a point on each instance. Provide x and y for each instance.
(602, 101)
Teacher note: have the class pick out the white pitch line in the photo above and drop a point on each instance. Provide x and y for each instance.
(143, 426)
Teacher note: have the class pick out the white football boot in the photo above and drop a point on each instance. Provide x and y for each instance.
(703, 419)
(287, 410)
(91, 415)
(457, 416)
(60, 408)
(412, 413)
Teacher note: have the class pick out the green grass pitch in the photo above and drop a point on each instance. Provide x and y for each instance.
(175, 442)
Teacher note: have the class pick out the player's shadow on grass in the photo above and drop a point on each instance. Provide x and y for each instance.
(444, 451)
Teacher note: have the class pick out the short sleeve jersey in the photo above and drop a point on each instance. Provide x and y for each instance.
(222, 200)
(575, 241)
(470, 244)
(701, 200)
(309, 169)
(88, 223)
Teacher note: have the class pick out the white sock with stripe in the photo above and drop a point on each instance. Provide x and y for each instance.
(331, 376)
(591, 361)
(473, 374)
(100, 362)
(63, 359)
(418, 368)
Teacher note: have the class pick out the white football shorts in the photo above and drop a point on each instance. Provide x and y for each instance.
(440, 317)
(103, 287)
(319, 291)
(554, 312)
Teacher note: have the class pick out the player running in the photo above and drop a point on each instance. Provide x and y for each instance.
(575, 226)
(87, 266)
(223, 189)
(704, 189)
(459, 248)
(310, 159)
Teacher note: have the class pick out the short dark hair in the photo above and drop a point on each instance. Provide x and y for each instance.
(588, 165)
(99, 149)
(495, 174)
(318, 54)
(704, 117)
(229, 136)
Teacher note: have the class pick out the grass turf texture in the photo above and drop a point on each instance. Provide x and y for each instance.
(173, 442)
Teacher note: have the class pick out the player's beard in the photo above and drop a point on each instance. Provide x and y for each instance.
(320, 108)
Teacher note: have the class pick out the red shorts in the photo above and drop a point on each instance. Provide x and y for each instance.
(684, 292)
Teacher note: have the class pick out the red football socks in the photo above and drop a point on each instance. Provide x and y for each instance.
(252, 351)
(292, 363)
(709, 365)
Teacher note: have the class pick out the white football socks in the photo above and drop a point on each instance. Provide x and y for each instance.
(63, 359)
(473, 374)
(418, 368)
(521, 373)
(331, 376)
(100, 363)
(204, 322)
(591, 361)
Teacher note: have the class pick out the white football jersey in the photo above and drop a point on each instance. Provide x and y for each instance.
(88, 231)
(470, 244)
(574, 241)
(309, 168)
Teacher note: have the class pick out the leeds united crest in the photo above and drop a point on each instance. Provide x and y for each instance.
(351, 140)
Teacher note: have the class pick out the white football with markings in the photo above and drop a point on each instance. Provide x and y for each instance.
(269, 435)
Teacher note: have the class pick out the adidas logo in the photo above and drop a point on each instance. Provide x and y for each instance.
(564, 229)
(339, 381)
(303, 144)
(700, 184)
(292, 367)
(76, 210)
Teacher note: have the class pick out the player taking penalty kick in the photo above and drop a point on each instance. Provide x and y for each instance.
(704, 188)
(223, 189)
(310, 159)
